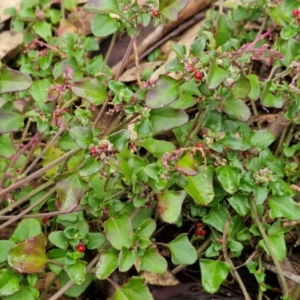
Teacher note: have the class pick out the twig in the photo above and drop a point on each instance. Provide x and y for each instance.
(233, 270)
(38, 173)
(28, 209)
(269, 247)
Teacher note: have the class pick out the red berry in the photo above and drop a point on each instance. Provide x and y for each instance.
(190, 68)
(295, 12)
(200, 146)
(200, 232)
(199, 225)
(198, 75)
(81, 247)
(155, 13)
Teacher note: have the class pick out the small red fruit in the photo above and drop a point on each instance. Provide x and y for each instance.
(81, 247)
(190, 69)
(295, 12)
(200, 146)
(198, 75)
(200, 232)
(155, 13)
(199, 225)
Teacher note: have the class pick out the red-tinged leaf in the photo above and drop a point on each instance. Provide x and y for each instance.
(93, 90)
(170, 203)
(70, 189)
(165, 92)
(29, 256)
(13, 81)
(187, 165)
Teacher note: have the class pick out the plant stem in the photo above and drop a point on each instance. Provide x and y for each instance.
(13, 205)
(233, 271)
(38, 173)
(16, 156)
(107, 56)
(126, 55)
(269, 247)
(28, 209)
(49, 144)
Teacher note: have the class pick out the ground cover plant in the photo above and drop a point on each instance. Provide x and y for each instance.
(188, 173)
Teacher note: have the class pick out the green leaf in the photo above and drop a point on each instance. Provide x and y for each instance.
(157, 147)
(95, 240)
(183, 252)
(126, 259)
(152, 261)
(164, 92)
(27, 228)
(261, 139)
(107, 263)
(277, 244)
(59, 239)
(13, 81)
(217, 217)
(6, 146)
(77, 272)
(223, 30)
(255, 87)
(241, 87)
(29, 256)
(287, 32)
(119, 139)
(187, 164)
(171, 8)
(213, 273)
(180, 50)
(229, 177)
(38, 90)
(169, 204)
(76, 290)
(198, 46)
(43, 29)
(5, 245)
(166, 118)
(104, 25)
(9, 282)
(283, 207)
(118, 231)
(11, 118)
(272, 100)
(100, 6)
(236, 108)
(200, 187)
(134, 289)
(70, 189)
(146, 228)
(91, 89)
(216, 75)
(25, 293)
(240, 204)
(90, 167)
(83, 136)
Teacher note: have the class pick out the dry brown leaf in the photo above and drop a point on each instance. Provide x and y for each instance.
(164, 279)
(6, 4)
(131, 74)
(9, 41)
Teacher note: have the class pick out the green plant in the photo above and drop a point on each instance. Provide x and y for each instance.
(105, 191)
